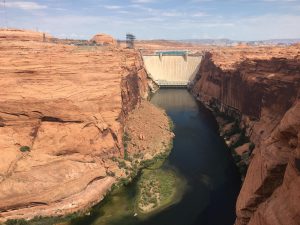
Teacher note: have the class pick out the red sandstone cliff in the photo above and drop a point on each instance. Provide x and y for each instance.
(62, 115)
(260, 87)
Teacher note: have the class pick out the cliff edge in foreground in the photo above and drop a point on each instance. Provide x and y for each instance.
(62, 115)
(260, 87)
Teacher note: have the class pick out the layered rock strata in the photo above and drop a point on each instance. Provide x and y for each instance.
(259, 88)
(62, 115)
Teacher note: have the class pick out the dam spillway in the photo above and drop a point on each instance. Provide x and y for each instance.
(172, 68)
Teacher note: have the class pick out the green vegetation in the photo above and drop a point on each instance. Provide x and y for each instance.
(17, 222)
(124, 203)
(124, 181)
(156, 190)
(171, 125)
(126, 139)
(122, 164)
(156, 162)
(44, 220)
(138, 155)
(24, 149)
(125, 154)
(151, 164)
(111, 173)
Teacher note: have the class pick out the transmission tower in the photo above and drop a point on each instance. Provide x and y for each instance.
(130, 38)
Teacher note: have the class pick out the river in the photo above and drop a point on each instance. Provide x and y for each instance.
(200, 157)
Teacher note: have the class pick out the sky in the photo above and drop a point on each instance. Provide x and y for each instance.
(242, 20)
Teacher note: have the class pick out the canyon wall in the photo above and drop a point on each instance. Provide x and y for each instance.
(260, 88)
(62, 115)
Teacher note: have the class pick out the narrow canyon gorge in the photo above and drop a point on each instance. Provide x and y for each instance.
(75, 122)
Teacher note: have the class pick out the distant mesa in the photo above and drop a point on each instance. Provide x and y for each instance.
(103, 39)
(23, 35)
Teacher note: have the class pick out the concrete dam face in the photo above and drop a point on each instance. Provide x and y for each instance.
(172, 70)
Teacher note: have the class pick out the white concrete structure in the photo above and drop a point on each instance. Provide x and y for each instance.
(171, 70)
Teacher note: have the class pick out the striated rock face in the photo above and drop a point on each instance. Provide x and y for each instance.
(135, 85)
(62, 113)
(260, 87)
(279, 180)
(104, 39)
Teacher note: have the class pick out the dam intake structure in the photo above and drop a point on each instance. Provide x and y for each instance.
(172, 68)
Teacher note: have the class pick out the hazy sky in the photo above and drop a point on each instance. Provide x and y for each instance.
(154, 19)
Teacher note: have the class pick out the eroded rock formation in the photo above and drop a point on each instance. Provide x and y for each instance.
(260, 87)
(104, 39)
(62, 115)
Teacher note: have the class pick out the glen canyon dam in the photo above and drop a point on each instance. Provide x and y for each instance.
(146, 112)
(172, 68)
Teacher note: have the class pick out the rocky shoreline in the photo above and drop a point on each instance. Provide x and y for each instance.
(235, 137)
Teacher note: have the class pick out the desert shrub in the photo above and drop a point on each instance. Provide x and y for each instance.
(122, 164)
(171, 125)
(125, 154)
(24, 149)
(17, 222)
(138, 155)
(111, 173)
(124, 181)
(126, 139)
